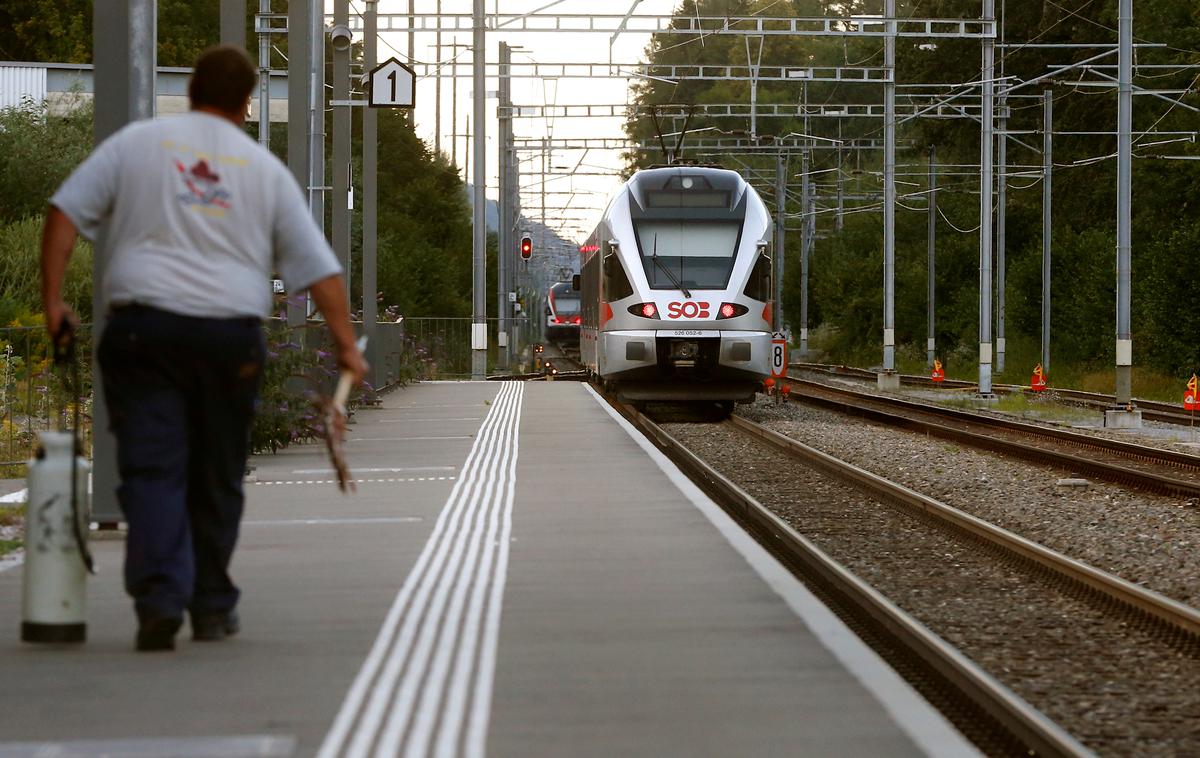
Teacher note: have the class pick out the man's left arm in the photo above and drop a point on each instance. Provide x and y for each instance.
(58, 240)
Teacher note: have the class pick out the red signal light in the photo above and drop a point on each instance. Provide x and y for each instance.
(731, 310)
(727, 310)
(526, 248)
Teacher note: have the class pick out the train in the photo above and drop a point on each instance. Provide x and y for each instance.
(676, 289)
(562, 314)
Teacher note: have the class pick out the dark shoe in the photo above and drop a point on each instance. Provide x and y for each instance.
(157, 632)
(214, 627)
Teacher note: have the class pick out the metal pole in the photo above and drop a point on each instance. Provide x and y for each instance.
(780, 205)
(454, 113)
(1047, 196)
(1124, 367)
(985, 210)
(931, 265)
(412, 51)
(889, 197)
(233, 22)
(299, 92)
(504, 249)
(437, 78)
(341, 149)
(264, 76)
(316, 113)
(370, 305)
(805, 239)
(123, 40)
(478, 211)
(1001, 198)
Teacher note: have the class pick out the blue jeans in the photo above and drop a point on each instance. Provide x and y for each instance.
(180, 392)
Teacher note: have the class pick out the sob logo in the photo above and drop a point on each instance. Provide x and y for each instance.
(688, 309)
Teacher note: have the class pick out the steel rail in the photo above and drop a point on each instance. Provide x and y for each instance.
(1022, 720)
(1152, 410)
(1099, 469)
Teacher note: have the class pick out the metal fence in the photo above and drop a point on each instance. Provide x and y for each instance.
(34, 397)
(33, 394)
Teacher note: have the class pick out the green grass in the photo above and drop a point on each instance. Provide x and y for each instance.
(8, 546)
(10, 515)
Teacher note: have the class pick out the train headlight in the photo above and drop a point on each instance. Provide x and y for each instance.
(645, 310)
(731, 310)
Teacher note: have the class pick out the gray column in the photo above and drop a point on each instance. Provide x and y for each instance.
(889, 192)
(233, 23)
(124, 53)
(264, 78)
(437, 78)
(780, 206)
(479, 209)
(1124, 368)
(931, 265)
(1001, 200)
(297, 149)
(985, 209)
(316, 112)
(370, 201)
(504, 248)
(1047, 196)
(806, 209)
(341, 147)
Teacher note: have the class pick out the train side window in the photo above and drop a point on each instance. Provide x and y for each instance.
(616, 281)
(759, 285)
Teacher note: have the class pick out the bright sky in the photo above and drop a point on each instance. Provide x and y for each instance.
(574, 214)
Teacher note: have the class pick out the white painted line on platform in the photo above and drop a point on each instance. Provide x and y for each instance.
(927, 728)
(408, 439)
(336, 521)
(398, 470)
(396, 480)
(253, 746)
(431, 418)
(15, 497)
(12, 560)
(441, 632)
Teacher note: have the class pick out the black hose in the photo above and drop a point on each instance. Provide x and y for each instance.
(64, 355)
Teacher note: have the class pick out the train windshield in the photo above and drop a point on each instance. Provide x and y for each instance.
(566, 300)
(687, 254)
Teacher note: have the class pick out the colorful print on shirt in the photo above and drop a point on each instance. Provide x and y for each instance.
(204, 192)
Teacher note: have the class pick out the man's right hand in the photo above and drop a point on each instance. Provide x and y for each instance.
(352, 361)
(56, 313)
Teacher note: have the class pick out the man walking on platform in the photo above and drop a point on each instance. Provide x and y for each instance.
(199, 215)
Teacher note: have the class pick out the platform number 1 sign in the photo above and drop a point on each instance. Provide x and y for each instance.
(392, 85)
(779, 350)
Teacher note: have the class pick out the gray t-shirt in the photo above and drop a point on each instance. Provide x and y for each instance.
(200, 216)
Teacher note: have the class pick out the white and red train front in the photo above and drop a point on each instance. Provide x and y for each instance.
(676, 288)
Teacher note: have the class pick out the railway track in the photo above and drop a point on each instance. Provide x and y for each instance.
(1152, 410)
(1125, 463)
(998, 720)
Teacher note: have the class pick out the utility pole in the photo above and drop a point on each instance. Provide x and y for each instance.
(437, 78)
(412, 52)
(780, 205)
(1001, 201)
(931, 265)
(1047, 196)
(504, 237)
(888, 379)
(341, 142)
(1123, 414)
(123, 40)
(299, 92)
(985, 210)
(316, 112)
(370, 200)
(454, 47)
(264, 74)
(806, 210)
(479, 211)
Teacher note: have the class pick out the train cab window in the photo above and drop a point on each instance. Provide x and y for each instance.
(759, 285)
(693, 254)
(616, 282)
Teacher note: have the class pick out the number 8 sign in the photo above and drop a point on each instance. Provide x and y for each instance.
(779, 350)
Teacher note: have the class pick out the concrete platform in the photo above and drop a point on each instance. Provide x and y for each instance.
(517, 575)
